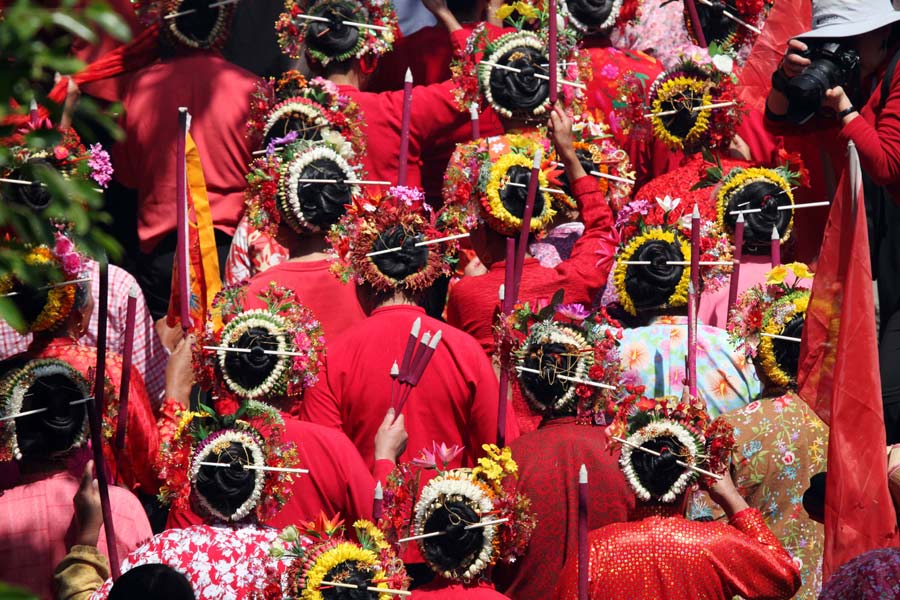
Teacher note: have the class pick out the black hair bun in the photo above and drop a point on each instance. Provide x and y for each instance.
(351, 574)
(768, 196)
(200, 26)
(515, 197)
(36, 196)
(520, 92)
(226, 489)
(334, 38)
(458, 547)
(592, 13)
(61, 426)
(651, 286)
(400, 264)
(715, 25)
(543, 391)
(323, 204)
(786, 352)
(251, 369)
(658, 473)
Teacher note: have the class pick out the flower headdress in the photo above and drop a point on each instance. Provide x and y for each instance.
(323, 552)
(698, 441)
(565, 340)
(581, 14)
(478, 178)
(295, 32)
(723, 32)
(596, 148)
(276, 186)
(398, 219)
(313, 110)
(52, 270)
(252, 436)
(671, 106)
(775, 307)
(461, 497)
(213, 21)
(285, 326)
(14, 390)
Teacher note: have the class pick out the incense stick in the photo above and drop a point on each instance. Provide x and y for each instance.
(669, 113)
(535, 75)
(249, 350)
(784, 207)
(254, 467)
(419, 244)
(40, 410)
(596, 384)
(655, 453)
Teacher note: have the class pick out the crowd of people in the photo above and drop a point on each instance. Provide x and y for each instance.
(506, 306)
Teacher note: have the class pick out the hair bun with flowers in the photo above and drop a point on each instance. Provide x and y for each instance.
(664, 441)
(774, 308)
(489, 177)
(322, 554)
(281, 347)
(599, 16)
(51, 396)
(726, 32)
(599, 154)
(326, 30)
(256, 477)
(202, 24)
(390, 241)
(566, 359)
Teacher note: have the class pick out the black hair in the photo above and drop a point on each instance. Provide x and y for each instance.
(758, 225)
(322, 204)
(350, 573)
(515, 197)
(458, 547)
(334, 38)
(30, 300)
(293, 122)
(55, 430)
(36, 196)
(226, 490)
(814, 497)
(152, 582)
(787, 353)
(715, 25)
(544, 391)
(464, 10)
(650, 286)
(587, 163)
(402, 263)
(198, 25)
(520, 92)
(250, 369)
(658, 473)
(592, 13)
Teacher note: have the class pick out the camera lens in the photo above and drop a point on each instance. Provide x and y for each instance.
(807, 90)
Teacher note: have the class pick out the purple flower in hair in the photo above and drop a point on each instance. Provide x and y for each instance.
(408, 195)
(281, 141)
(632, 208)
(101, 167)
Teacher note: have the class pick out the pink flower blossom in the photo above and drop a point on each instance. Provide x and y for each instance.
(576, 312)
(101, 166)
(788, 458)
(443, 453)
(61, 152)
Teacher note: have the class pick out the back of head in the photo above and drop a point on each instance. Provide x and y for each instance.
(199, 25)
(228, 493)
(659, 473)
(594, 15)
(459, 547)
(152, 582)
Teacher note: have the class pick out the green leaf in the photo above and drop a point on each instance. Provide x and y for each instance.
(74, 26)
(110, 21)
(8, 592)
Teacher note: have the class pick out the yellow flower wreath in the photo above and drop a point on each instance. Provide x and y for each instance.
(494, 205)
(679, 296)
(668, 93)
(747, 176)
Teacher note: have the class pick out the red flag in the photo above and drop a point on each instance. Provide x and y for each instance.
(839, 378)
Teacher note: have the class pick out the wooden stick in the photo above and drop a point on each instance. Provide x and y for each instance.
(596, 384)
(420, 244)
(350, 586)
(486, 523)
(655, 453)
(613, 177)
(786, 338)
(348, 23)
(748, 211)
(40, 410)
(478, 525)
(51, 286)
(536, 75)
(669, 113)
(254, 467)
(728, 15)
(191, 11)
(543, 189)
(583, 570)
(249, 350)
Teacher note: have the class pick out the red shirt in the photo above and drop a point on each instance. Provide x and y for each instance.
(338, 480)
(217, 94)
(455, 401)
(441, 589)
(548, 460)
(333, 302)
(473, 300)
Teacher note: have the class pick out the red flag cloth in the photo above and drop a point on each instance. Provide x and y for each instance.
(839, 378)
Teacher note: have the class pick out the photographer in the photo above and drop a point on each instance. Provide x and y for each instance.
(840, 83)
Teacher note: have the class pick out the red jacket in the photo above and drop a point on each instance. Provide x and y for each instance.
(473, 300)
(441, 589)
(217, 94)
(455, 401)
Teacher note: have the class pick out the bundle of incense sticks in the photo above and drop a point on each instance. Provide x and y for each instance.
(416, 357)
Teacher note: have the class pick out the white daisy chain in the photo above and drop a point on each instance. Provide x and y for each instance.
(257, 458)
(661, 428)
(273, 324)
(291, 172)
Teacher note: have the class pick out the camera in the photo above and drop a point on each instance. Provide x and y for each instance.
(832, 65)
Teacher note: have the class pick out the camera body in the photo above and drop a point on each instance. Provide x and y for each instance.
(832, 64)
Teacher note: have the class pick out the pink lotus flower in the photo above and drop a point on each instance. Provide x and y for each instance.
(576, 312)
(443, 453)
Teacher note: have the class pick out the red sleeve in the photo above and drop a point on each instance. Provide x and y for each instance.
(482, 428)
(878, 145)
(435, 117)
(761, 567)
(382, 469)
(320, 404)
(593, 253)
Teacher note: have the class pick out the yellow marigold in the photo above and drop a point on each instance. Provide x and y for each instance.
(801, 304)
(679, 296)
(508, 223)
(670, 91)
(777, 275)
(346, 552)
(800, 270)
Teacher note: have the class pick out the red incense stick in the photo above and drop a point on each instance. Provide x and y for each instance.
(127, 351)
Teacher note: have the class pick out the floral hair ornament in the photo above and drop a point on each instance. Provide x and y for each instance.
(701, 447)
(16, 391)
(689, 107)
(262, 354)
(566, 359)
(199, 24)
(603, 159)
(324, 557)
(767, 321)
(478, 507)
(489, 177)
(599, 16)
(392, 241)
(352, 28)
(737, 29)
(57, 284)
(244, 451)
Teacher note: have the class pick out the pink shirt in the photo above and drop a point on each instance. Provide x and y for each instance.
(37, 527)
(714, 306)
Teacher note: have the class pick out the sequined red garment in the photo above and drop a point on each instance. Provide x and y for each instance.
(663, 558)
